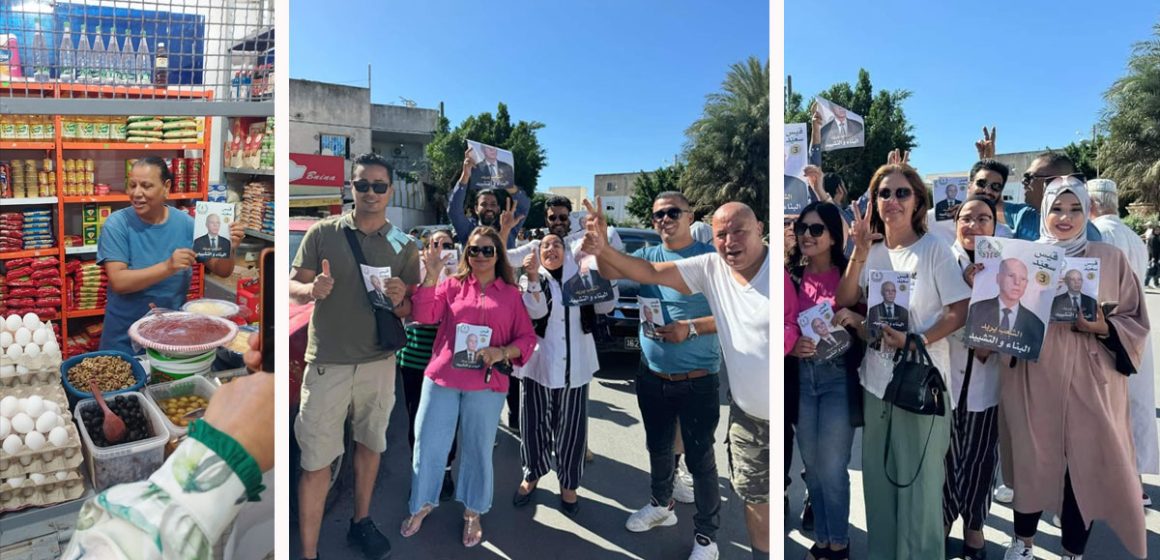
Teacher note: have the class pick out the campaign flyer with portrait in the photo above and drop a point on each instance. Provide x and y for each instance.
(587, 286)
(469, 340)
(796, 159)
(211, 229)
(1012, 295)
(841, 127)
(948, 192)
(888, 301)
(651, 316)
(495, 168)
(817, 324)
(375, 281)
(1078, 289)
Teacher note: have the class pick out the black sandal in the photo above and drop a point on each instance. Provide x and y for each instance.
(819, 553)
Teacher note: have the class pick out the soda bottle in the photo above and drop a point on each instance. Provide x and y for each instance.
(161, 64)
(98, 67)
(113, 59)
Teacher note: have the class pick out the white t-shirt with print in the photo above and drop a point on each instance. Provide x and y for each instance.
(742, 313)
(936, 282)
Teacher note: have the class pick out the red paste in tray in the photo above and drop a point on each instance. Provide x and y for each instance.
(187, 330)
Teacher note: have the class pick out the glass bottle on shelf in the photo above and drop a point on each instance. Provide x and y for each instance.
(41, 71)
(84, 58)
(67, 56)
(99, 68)
(144, 64)
(128, 65)
(161, 63)
(113, 58)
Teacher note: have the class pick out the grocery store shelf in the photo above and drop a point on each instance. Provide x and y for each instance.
(30, 253)
(239, 171)
(24, 145)
(124, 197)
(83, 250)
(132, 92)
(20, 85)
(78, 313)
(162, 146)
(27, 201)
(260, 235)
(260, 41)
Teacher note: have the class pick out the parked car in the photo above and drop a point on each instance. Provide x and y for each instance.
(617, 342)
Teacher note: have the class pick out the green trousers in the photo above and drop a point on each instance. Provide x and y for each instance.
(903, 523)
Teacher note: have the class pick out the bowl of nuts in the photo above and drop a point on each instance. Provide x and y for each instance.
(115, 372)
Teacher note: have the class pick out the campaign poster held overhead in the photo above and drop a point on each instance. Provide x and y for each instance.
(841, 128)
(495, 168)
(796, 158)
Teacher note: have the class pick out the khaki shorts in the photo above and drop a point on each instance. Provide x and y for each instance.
(748, 446)
(329, 392)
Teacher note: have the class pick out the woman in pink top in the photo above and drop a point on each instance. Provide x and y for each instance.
(483, 328)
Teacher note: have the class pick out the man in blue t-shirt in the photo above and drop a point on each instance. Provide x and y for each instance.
(678, 384)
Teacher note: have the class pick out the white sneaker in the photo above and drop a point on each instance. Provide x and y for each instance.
(650, 516)
(683, 486)
(1019, 551)
(704, 552)
(1004, 494)
(1147, 500)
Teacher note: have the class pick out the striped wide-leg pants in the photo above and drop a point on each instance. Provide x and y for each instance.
(971, 466)
(553, 421)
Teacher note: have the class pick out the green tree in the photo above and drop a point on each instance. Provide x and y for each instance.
(1083, 153)
(727, 149)
(886, 128)
(1131, 156)
(649, 185)
(445, 152)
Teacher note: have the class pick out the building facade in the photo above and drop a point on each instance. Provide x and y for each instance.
(615, 190)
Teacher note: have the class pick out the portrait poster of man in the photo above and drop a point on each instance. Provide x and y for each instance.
(469, 340)
(1012, 295)
(651, 316)
(841, 127)
(948, 192)
(587, 286)
(796, 159)
(211, 229)
(817, 324)
(1078, 289)
(495, 168)
(375, 281)
(888, 301)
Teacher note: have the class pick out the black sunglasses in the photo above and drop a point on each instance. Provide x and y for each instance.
(363, 186)
(816, 230)
(446, 245)
(672, 213)
(983, 184)
(487, 251)
(558, 218)
(898, 194)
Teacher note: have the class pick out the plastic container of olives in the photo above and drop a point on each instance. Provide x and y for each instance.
(124, 462)
(185, 390)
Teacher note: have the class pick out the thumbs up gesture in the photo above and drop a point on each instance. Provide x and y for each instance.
(323, 283)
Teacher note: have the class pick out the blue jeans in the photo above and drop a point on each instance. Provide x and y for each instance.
(824, 436)
(477, 414)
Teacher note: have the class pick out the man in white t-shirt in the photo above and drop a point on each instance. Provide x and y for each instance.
(735, 281)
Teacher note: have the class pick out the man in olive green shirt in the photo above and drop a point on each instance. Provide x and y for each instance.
(346, 367)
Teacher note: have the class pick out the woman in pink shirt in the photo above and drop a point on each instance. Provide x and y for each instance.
(483, 328)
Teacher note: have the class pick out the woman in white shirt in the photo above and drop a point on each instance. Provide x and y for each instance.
(554, 392)
(905, 495)
(974, 449)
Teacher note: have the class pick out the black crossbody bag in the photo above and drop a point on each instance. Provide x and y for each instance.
(392, 335)
(916, 387)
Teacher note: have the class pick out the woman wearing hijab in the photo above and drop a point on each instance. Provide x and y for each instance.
(974, 451)
(1066, 442)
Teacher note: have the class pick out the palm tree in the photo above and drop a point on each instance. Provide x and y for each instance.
(1131, 154)
(727, 151)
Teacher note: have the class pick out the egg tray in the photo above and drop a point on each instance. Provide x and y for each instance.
(50, 458)
(38, 495)
(45, 376)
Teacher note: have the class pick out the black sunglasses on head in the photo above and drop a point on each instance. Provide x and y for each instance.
(671, 213)
(816, 230)
(898, 194)
(983, 184)
(558, 218)
(488, 251)
(363, 186)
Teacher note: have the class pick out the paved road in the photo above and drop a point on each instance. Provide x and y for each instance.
(1102, 545)
(614, 486)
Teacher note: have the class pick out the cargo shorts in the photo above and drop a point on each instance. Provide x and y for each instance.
(748, 446)
(329, 392)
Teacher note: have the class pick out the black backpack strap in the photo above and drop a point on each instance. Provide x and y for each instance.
(541, 325)
(967, 379)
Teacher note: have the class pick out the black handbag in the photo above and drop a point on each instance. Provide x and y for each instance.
(392, 335)
(916, 387)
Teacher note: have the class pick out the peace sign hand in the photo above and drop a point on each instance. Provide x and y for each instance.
(986, 146)
(861, 233)
(898, 157)
(508, 218)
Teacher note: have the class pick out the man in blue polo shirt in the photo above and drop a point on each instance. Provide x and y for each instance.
(678, 385)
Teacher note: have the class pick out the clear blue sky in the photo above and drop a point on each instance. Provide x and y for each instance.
(1035, 69)
(615, 82)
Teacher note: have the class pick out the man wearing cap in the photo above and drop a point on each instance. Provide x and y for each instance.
(1105, 208)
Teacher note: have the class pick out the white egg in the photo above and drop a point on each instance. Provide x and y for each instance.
(5, 427)
(34, 406)
(47, 421)
(7, 371)
(22, 423)
(61, 475)
(58, 436)
(31, 321)
(35, 440)
(6, 339)
(60, 421)
(23, 336)
(51, 405)
(13, 444)
(32, 350)
(16, 481)
(9, 406)
(15, 352)
(36, 478)
(21, 370)
(13, 322)
(51, 347)
(40, 336)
